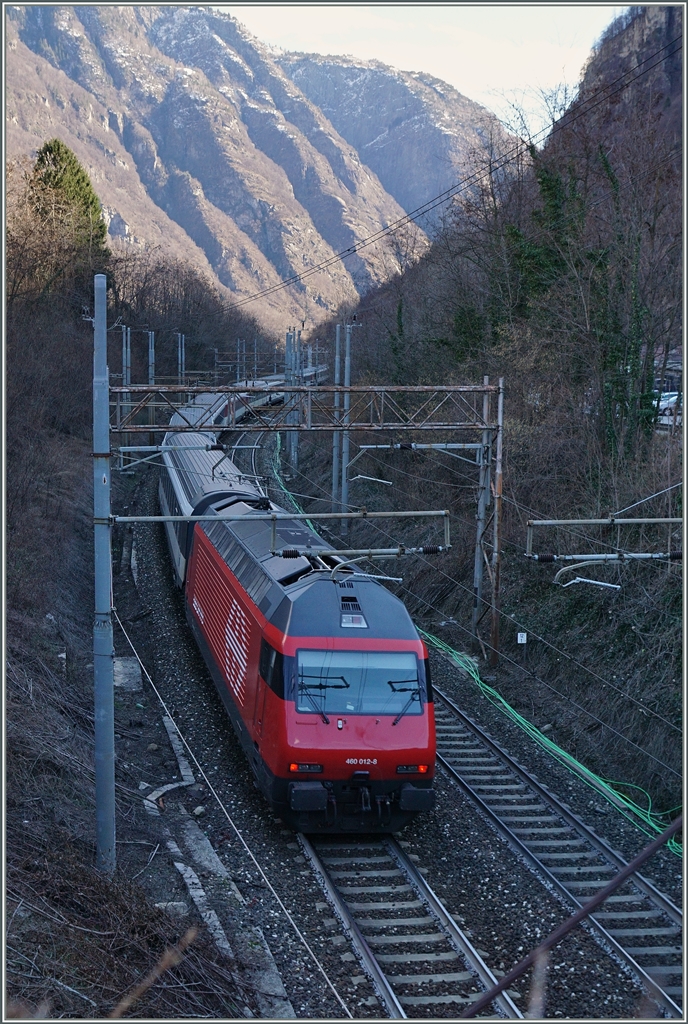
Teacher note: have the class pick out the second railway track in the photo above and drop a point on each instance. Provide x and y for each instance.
(639, 924)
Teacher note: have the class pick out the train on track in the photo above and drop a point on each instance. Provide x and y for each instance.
(320, 667)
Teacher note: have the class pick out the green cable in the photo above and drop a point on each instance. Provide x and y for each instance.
(276, 473)
(648, 821)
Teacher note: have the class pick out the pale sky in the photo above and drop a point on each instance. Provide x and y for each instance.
(491, 53)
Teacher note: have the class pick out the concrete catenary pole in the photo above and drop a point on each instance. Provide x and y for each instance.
(123, 405)
(345, 434)
(151, 381)
(103, 650)
(289, 374)
(335, 433)
(483, 494)
(497, 536)
(181, 368)
(298, 379)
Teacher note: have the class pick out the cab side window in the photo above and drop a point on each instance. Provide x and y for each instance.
(271, 668)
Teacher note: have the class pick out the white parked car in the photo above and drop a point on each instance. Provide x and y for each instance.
(670, 409)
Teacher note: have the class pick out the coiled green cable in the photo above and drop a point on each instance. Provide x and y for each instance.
(648, 821)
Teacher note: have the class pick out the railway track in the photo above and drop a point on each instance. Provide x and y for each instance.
(639, 924)
(421, 963)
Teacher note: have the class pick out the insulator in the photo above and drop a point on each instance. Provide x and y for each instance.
(290, 553)
(430, 549)
(676, 556)
(405, 447)
(545, 558)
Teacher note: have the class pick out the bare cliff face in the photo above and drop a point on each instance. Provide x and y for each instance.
(418, 134)
(198, 141)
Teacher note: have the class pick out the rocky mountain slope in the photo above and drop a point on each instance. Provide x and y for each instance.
(199, 142)
(418, 134)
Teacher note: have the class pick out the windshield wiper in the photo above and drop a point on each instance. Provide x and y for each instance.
(303, 691)
(414, 696)
(396, 688)
(324, 686)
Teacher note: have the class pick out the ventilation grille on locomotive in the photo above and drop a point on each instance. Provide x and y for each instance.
(253, 578)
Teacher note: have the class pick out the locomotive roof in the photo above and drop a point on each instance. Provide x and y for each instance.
(246, 548)
(314, 607)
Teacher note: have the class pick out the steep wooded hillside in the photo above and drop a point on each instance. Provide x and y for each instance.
(564, 278)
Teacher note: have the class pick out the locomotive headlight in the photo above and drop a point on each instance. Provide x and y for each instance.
(412, 769)
(299, 767)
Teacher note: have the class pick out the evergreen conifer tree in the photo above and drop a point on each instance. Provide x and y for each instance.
(61, 188)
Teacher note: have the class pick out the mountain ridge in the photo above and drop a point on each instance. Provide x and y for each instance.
(199, 142)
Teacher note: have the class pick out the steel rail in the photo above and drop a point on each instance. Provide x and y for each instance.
(503, 1000)
(381, 982)
(650, 890)
(659, 899)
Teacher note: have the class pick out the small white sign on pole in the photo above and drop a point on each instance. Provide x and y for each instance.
(522, 638)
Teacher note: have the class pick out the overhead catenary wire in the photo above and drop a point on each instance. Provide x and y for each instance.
(509, 618)
(649, 498)
(604, 95)
(237, 831)
(578, 706)
(577, 533)
(630, 809)
(557, 650)
(513, 621)
(541, 233)
(552, 646)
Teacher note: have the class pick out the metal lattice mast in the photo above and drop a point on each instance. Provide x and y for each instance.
(483, 501)
(497, 526)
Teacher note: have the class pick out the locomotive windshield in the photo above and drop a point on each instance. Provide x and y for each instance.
(357, 683)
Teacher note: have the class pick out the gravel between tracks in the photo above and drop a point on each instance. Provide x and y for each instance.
(502, 906)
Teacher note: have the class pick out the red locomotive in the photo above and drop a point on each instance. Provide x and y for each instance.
(320, 668)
